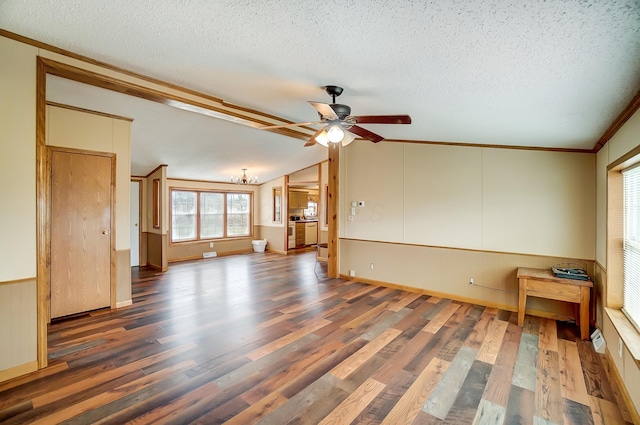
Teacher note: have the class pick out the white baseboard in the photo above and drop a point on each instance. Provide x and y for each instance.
(124, 303)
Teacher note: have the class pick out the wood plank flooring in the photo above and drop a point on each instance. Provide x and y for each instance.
(259, 339)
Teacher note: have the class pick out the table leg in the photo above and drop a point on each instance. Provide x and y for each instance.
(522, 300)
(584, 312)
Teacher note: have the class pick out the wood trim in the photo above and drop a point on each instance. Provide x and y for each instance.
(158, 168)
(483, 145)
(43, 224)
(620, 384)
(468, 249)
(88, 111)
(332, 203)
(633, 106)
(156, 203)
(624, 116)
(80, 151)
(285, 204)
(16, 371)
(627, 160)
(110, 83)
(17, 281)
(105, 65)
(252, 187)
(629, 334)
(112, 231)
(507, 307)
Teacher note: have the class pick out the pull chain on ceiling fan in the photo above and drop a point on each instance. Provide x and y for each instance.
(341, 126)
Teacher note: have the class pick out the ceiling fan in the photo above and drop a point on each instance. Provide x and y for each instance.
(341, 126)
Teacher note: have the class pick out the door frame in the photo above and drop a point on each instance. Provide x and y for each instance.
(112, 220)
(139, 181)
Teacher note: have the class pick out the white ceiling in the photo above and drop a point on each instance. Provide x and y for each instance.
(552, 73)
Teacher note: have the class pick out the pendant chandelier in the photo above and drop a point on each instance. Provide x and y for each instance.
(244, 179)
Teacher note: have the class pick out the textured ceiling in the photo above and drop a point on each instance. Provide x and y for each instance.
(527, 73)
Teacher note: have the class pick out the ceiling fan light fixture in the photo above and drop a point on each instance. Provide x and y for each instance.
(323, 138)
(335, 133)
(348, 138)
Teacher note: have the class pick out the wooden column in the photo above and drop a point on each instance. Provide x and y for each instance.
(332, 204)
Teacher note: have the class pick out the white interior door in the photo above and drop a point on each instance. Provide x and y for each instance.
(134, 194)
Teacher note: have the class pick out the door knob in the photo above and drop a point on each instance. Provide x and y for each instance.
(105, 232)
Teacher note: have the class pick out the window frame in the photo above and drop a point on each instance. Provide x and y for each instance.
(225, 236)
(630, 245)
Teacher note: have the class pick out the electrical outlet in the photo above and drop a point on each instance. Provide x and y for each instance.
(210, 244)
(352, 273)
(371, 266)
(470, 281)
(620, 347)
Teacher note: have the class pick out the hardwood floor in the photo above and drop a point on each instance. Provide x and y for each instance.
(258, 338)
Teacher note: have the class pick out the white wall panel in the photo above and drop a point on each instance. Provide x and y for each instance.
(539, 202)
(17, 160)
(17, 324)
(443, 196)
(374, 175)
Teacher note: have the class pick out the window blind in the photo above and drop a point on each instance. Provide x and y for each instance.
(631, 245)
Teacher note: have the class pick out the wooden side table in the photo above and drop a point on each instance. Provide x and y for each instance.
(542, 283)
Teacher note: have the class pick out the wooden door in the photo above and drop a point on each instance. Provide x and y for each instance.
(80, 232)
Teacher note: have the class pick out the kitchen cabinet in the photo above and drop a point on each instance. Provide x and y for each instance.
(298, 199)
(311, 233)
(300, 233)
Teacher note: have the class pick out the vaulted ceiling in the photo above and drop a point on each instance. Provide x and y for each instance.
(551, 74)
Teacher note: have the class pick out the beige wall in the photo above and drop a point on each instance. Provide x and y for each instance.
(309, 174)
(322, 187)
(18, 335)
(155, 238)
(18, 341)
(435, 216)
(504, 200)
(17, 161)
(266, 228)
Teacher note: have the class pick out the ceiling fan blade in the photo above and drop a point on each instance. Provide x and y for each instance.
(297, 124)
(375, 138)
(325, 110)
(312, 140)
(383, 119)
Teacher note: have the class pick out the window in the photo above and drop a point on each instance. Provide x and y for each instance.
(277, 205)
(631, 244)
(203, 215)
(312, 208)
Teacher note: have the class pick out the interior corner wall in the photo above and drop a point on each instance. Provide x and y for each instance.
(265, 227)
(71, 128)
(156, 241)
(480, 212)
(18, 309)
(626, 140)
